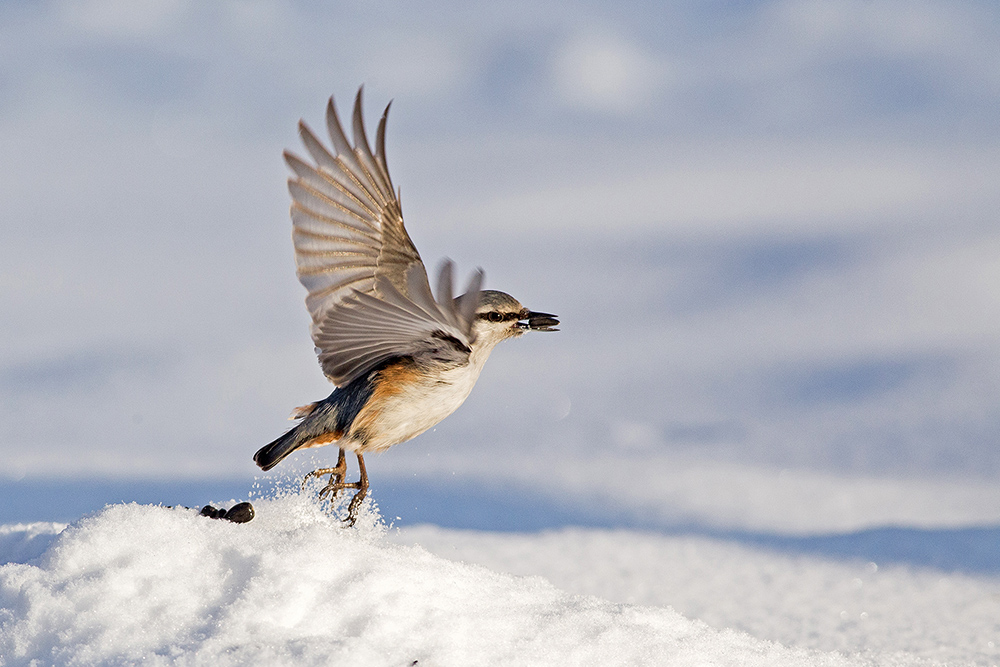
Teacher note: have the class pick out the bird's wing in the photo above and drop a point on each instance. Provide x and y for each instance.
(362, 331)
(347, 221)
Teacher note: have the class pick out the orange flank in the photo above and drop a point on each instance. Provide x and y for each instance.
(391, 380)
(324, 439)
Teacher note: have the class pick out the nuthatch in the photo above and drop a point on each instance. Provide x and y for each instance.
(401, 360)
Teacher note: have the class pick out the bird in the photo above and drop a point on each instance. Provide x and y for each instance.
(401, 358)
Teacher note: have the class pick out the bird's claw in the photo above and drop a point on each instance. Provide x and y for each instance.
(336, 484)
(336, 477)
(333, 489)
(352, 509)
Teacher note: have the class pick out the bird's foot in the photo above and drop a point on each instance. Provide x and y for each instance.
(334, 485)
(352, 509)
(333, 489)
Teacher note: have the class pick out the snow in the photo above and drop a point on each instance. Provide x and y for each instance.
(853, 606)
(164, 585)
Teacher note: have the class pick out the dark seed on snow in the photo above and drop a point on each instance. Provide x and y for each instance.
(240, 513)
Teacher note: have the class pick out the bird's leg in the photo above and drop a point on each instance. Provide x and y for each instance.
(336, 474)
(337, 483)
(362, 486)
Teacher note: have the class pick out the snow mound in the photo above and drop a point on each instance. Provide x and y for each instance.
(889, 613)
(166, 586)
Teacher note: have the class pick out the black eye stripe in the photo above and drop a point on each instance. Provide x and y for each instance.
(494, 316)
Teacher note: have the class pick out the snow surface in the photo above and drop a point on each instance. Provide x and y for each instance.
(859, 607)
(166, 586)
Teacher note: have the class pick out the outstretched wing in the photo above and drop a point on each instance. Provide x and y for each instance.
(347, 221)
(363, 331)
(368, 291)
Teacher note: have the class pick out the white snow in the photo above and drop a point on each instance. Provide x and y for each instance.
(885, 612)
(157, 585)
(165, 586)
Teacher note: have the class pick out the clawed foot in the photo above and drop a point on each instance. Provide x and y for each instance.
(336, 478)
(336, 484)
(333, 486)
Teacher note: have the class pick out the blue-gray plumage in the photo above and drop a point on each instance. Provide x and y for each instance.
(402, 359)
(334, 414)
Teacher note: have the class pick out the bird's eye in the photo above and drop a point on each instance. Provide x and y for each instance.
(495, 317)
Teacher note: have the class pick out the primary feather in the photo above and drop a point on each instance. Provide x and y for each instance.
(369, 296)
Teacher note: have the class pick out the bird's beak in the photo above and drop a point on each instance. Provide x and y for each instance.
(538, 321)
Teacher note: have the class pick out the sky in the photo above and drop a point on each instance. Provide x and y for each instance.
(769, 228)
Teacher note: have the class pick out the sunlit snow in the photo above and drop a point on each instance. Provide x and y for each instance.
(144, 583)
(166, 586)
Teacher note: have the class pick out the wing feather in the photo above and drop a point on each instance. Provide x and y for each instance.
(335, 167)
(331, 211)
(369, 296)
(363, 152)
(365, 331)
(342, 203)
(332, 187)
(313, 224)
(380, 147)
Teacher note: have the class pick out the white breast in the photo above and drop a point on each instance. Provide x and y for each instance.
(418, 407)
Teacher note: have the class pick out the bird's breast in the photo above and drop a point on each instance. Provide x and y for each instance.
(406, 402)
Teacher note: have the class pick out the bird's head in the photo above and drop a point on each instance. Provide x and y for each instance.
(500, 316)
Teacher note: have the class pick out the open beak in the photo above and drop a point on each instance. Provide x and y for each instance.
(538, 321)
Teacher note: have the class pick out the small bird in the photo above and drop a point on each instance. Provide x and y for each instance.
(401, 359)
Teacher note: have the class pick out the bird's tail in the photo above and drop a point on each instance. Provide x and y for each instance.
(271, 454)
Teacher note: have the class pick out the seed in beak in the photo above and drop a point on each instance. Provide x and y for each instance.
(539, 322)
